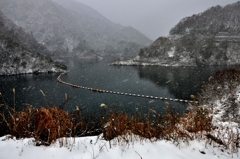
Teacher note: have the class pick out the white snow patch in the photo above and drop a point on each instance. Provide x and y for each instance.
(94, 147)
(126, 80)
(171, 52)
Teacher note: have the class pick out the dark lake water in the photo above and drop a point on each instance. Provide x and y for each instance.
(170, 82)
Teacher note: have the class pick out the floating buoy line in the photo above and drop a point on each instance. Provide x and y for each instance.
(121, 93)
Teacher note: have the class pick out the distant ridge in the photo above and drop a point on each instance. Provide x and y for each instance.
(20, 53)
(209, 38)
(68, 27)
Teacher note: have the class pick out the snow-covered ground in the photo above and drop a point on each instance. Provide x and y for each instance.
(94, 147)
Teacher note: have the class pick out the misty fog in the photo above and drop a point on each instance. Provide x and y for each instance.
(153, 18)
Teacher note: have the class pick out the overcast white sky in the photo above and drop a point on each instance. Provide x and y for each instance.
(153, 18)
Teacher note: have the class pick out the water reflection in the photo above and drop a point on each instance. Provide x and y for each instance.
(180, 81)
(28, 89)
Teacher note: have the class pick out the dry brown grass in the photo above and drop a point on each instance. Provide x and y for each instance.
(171, 126)
(47, 125)
(51, 124)
(194, 125)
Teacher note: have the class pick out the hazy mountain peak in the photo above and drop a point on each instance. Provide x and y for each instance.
(69, 27)
(20, 53)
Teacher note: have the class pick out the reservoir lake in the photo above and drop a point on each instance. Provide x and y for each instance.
(159, 81)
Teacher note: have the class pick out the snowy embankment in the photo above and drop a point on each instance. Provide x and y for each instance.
(136, 148)
(94, 147)
(185, 61)
(137, 61)
(14, 71)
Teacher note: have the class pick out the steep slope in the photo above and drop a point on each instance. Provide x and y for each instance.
(212, 21)
(208, 38)
(68, 27)
(20, 53)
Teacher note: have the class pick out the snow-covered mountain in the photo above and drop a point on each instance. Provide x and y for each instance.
(208, 38)
(68, 27)
(20, 53)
